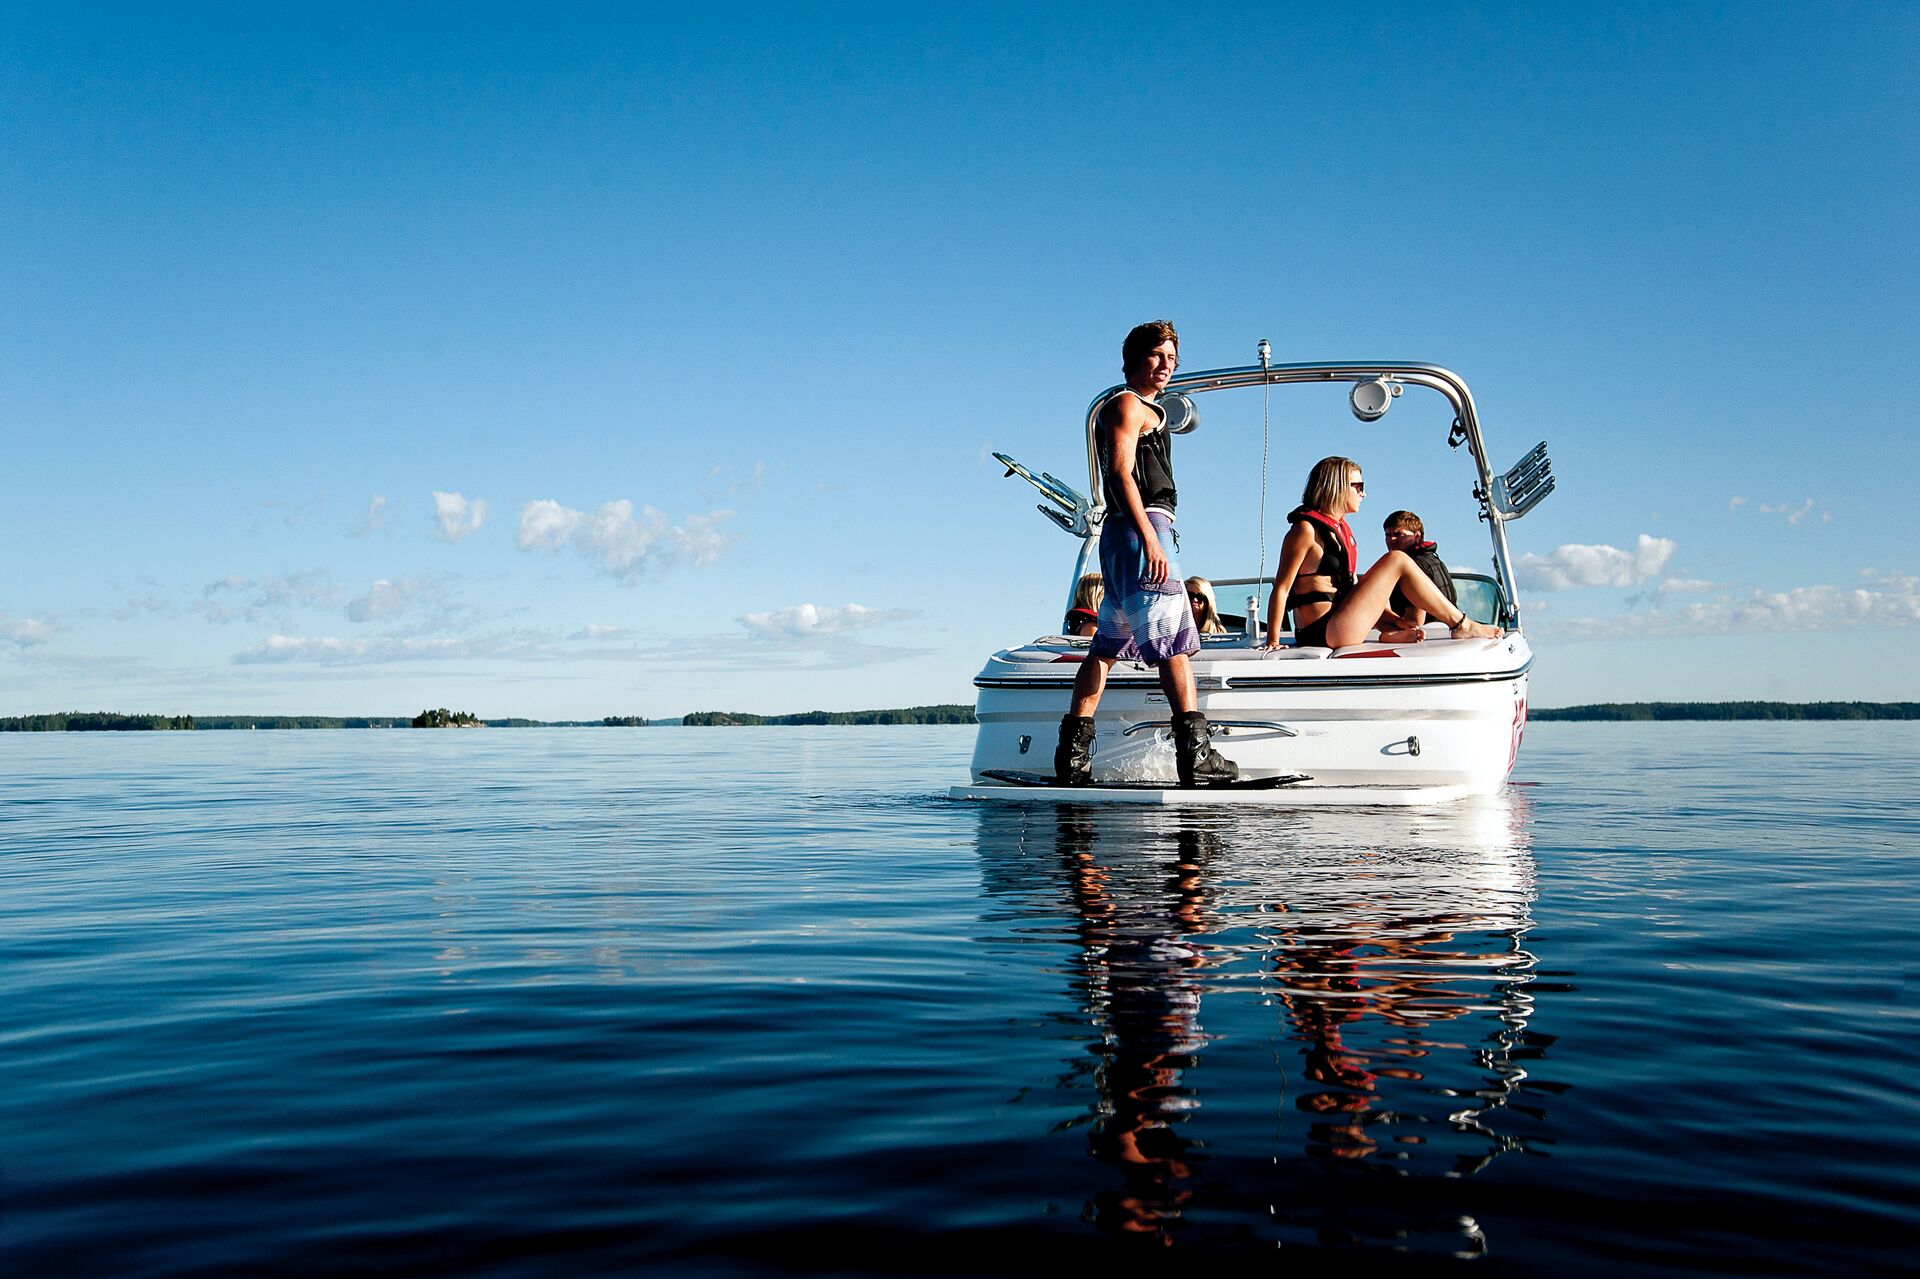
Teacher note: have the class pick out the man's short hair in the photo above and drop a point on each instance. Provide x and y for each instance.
(1143, 339)
(1406, 520)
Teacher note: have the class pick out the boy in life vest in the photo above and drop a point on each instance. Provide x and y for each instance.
(1403, 621)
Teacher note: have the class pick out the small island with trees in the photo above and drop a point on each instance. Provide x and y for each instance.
(444, 718)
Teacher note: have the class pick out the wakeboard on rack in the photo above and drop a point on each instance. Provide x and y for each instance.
(1014, 777)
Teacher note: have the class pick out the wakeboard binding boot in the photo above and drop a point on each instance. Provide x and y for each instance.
(1198, 762)
(1073, 758)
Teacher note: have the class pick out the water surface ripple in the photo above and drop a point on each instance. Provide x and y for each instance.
(762, 1001)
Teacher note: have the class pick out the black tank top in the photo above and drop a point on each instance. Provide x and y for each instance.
(1152, 460)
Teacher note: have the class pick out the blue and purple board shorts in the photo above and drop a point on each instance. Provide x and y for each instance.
(1141, 621)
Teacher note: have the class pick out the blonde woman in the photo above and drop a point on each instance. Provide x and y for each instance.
(1333, 605)
(1206, 613)
(1083, 615)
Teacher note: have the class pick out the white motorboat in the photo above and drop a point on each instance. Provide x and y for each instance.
(1372, 723)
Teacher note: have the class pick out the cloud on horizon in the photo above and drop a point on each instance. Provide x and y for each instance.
(810, 621)
(332, 650)
(726, 653)
(624, 546)
(1886, 599)
(24, 632)
(1576, 565)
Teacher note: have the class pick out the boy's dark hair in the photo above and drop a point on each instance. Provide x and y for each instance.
(1143, 339)
(1404, 519)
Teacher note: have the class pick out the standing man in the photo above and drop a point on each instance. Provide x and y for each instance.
(1144, 616)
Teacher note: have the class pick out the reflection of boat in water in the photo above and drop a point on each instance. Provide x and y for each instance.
(1376, 991)
(1416, 723)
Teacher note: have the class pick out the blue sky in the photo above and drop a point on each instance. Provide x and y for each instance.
(621, 361)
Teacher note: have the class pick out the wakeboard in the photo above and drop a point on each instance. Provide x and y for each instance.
(1014, 777)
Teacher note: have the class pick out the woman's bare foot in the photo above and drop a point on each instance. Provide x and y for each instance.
(1467, 628)
(1411, 635)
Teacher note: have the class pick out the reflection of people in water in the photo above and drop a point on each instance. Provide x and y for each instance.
(1403, 993)
(1400, 972)
(1141, 971)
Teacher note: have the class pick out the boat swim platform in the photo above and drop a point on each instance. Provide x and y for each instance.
(1214, 797)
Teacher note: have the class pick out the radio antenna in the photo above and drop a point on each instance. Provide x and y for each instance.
(1266, 401)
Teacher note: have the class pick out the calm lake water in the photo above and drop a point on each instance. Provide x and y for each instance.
(762, 1001)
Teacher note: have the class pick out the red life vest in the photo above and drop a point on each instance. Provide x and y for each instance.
(1344, 575)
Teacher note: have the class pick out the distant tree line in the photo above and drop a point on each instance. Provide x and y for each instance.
(84, 721)
(952, 713)
(944, 714)
(92, 722)
(1633, 711)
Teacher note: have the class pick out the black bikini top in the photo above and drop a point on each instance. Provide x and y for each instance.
(1338, 555)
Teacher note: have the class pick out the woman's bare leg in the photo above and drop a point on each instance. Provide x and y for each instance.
(1355, 615)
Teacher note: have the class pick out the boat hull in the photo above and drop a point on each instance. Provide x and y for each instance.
(1432, 722)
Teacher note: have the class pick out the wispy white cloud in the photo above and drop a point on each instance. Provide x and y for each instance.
(386, 599)
(24, 632)
(1888, 600)
(1576, 565)
(372, 518)
(1793, 513)
(727, 481)
(458, 516)
(250, 598)
(147, 596)
(624, 545)
(1667, 587)
(807, 621)
(332, 650)
(288, 512)
(720, 653)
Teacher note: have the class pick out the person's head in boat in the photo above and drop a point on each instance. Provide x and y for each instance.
(1404, 531)
(1150, 355)
(1083, 615)
(1206, 613)
(1334, 487)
